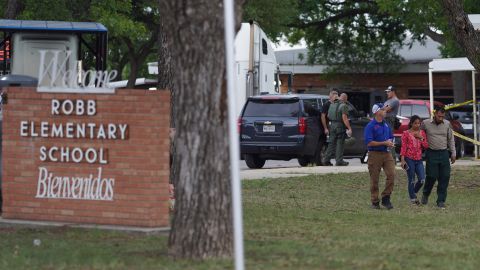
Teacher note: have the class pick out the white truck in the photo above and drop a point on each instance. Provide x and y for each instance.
(255, 64)
(256, 67)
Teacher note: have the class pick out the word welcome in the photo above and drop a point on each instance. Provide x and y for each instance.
(70, 187)
(57, 76)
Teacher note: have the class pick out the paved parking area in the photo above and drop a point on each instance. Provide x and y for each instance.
(279, 169)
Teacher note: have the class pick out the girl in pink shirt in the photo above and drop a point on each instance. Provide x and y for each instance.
(413, 141)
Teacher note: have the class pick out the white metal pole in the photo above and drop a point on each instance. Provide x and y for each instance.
(430, 82)
(474, 91)
(234, 141)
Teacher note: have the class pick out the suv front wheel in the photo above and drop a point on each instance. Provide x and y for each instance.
(254, 162)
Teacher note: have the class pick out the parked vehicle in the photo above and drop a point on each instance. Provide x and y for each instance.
(255, 64)
(355, 147)
(284, 127)
(409, 107)
(281, 127)
(464, 115)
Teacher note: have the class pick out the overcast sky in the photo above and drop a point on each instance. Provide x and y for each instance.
(282, 45)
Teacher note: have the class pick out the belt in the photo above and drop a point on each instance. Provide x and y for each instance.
(437, 150)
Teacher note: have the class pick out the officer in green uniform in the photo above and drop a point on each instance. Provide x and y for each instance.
(339, 124)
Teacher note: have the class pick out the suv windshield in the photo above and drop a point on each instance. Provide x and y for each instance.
(272, 107)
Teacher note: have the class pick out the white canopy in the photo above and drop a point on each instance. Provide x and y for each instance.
(450, 64)
(457, 64)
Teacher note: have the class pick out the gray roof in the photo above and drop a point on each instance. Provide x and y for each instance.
(24, 25)
(419, 53)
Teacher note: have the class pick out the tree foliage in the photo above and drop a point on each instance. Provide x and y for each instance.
(357, 35)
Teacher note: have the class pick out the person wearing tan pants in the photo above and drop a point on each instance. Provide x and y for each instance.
(379, 141)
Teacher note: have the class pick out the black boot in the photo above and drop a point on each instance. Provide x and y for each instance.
(386, 202)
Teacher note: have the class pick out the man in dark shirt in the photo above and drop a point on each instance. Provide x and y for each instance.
(333, 95)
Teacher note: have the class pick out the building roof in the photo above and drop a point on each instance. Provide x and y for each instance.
(416, 58)
(418, 53)
(24, 25)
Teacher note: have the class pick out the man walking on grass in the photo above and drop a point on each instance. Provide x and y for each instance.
(379, 141)
(441, 148)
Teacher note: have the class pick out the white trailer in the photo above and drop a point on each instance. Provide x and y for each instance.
(255, 64)
(256, 68)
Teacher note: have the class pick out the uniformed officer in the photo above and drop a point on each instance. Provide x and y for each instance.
(339, 127)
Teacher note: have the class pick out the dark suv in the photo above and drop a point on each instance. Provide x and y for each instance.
(281, 127)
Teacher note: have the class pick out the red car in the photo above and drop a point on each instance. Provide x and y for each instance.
(409, 107)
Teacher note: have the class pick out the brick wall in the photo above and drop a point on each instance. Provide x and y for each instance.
(402, 81)
(139, 164)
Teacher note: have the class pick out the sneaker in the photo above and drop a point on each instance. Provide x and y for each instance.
(342, 163)
(375, 205)
(415, 202)
(424, 199)
(441, 205)
(386, 202)
(327, 163)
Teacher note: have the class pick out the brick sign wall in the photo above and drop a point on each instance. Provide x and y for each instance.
(89, 158)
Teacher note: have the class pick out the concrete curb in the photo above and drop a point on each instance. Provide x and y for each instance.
(304, 171)
(36, 224)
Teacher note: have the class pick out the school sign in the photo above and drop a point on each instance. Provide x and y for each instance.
(95, 158)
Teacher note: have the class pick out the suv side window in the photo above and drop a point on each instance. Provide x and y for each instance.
(310, 107)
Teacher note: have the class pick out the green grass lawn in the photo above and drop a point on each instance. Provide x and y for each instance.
(314, 222)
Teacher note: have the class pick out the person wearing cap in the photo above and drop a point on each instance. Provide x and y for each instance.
(339, 128)
(391, 106)
(441, 148)
(379, 140)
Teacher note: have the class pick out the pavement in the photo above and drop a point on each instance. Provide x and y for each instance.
(279, 169)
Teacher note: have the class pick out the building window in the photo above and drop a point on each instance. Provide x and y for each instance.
(264, 47)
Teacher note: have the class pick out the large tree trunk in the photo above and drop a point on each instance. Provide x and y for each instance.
(202, 219)
(165, 81)
(132, 76)
(463, 30)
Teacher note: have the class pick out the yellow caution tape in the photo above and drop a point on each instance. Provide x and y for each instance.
(451, 106)
(466, 138)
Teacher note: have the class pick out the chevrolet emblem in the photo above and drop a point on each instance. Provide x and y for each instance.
(267, 123)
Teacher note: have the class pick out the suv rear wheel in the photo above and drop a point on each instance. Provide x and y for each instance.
(254, 162)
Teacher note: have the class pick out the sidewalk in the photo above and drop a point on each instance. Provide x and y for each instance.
(303, 171)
